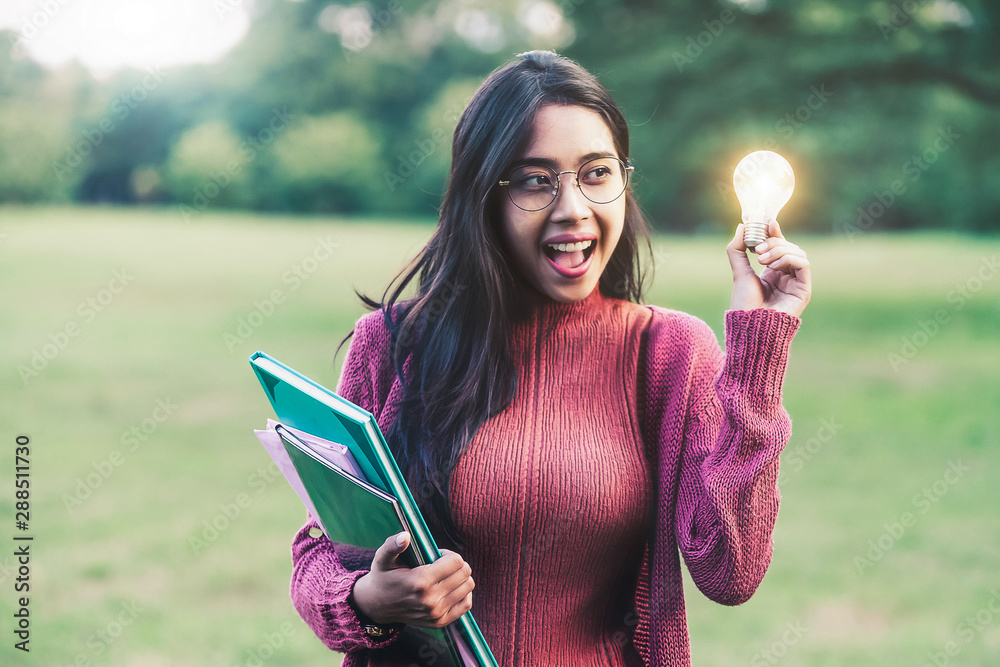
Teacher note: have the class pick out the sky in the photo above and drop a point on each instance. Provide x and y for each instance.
(107, 35)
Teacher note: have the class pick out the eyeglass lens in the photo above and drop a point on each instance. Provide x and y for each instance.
(534, 187)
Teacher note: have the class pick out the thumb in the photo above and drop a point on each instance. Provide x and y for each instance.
(391, 549)
(737, 253)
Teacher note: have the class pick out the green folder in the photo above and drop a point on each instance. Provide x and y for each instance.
(341, 498)
(303, 404)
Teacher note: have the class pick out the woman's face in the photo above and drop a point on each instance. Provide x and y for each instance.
(563, 248)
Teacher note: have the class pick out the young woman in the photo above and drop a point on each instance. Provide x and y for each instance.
(568, 443)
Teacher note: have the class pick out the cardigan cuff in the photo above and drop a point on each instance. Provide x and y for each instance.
(757, 344)
(351, 617)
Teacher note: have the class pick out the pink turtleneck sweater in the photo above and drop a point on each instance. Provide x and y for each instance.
(632, 439)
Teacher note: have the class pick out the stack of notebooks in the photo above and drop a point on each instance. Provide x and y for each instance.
(335, 458)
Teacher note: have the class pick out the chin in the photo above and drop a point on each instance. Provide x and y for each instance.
(571, 293)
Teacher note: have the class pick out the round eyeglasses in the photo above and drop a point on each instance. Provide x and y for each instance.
(601, 180)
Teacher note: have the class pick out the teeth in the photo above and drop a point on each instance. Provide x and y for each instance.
(571, 247)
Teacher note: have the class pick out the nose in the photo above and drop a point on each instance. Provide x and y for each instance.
(570, 204)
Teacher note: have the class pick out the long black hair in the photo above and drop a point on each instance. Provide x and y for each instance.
(454, 330)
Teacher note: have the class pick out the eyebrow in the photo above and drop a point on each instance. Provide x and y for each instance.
(553, 165)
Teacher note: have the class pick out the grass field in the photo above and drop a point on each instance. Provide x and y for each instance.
(141, 411)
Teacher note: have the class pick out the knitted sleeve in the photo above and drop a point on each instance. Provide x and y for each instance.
(323, 573)
(733, 434)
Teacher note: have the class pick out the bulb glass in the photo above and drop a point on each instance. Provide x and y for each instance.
(764, 182)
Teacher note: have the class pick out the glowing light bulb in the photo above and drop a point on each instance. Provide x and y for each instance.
(764, 182)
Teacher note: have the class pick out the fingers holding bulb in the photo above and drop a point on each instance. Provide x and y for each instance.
(777, 253)
(774, 252)
(786, 257)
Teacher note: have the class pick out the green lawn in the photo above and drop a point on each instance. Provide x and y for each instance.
(141, 412)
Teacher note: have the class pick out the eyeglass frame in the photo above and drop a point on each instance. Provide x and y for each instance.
(626, 163)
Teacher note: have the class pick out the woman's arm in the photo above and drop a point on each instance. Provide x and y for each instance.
(321, 591)
(323, 580)
(717, 425)
(735, 426)
(727, 498)
(336, 588)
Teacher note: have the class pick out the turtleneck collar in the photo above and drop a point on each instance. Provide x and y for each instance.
(538, 305)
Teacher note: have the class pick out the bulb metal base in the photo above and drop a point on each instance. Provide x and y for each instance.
(754, 233)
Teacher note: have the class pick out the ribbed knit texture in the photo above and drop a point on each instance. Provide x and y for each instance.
(678, 456)
(556, 494)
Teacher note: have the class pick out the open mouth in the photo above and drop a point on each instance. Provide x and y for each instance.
(570, 255)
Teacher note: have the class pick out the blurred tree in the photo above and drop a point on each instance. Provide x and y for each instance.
(887, 109)
(328, 163)
(36, 129)
(208, 167)
(850, 91)
(31, 147)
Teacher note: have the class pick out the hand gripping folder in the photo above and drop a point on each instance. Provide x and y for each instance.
(359, 513)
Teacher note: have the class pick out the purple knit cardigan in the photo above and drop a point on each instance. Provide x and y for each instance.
(715, 424)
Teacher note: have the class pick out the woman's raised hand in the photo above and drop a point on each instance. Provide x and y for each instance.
(428, 596)
(784, 284)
